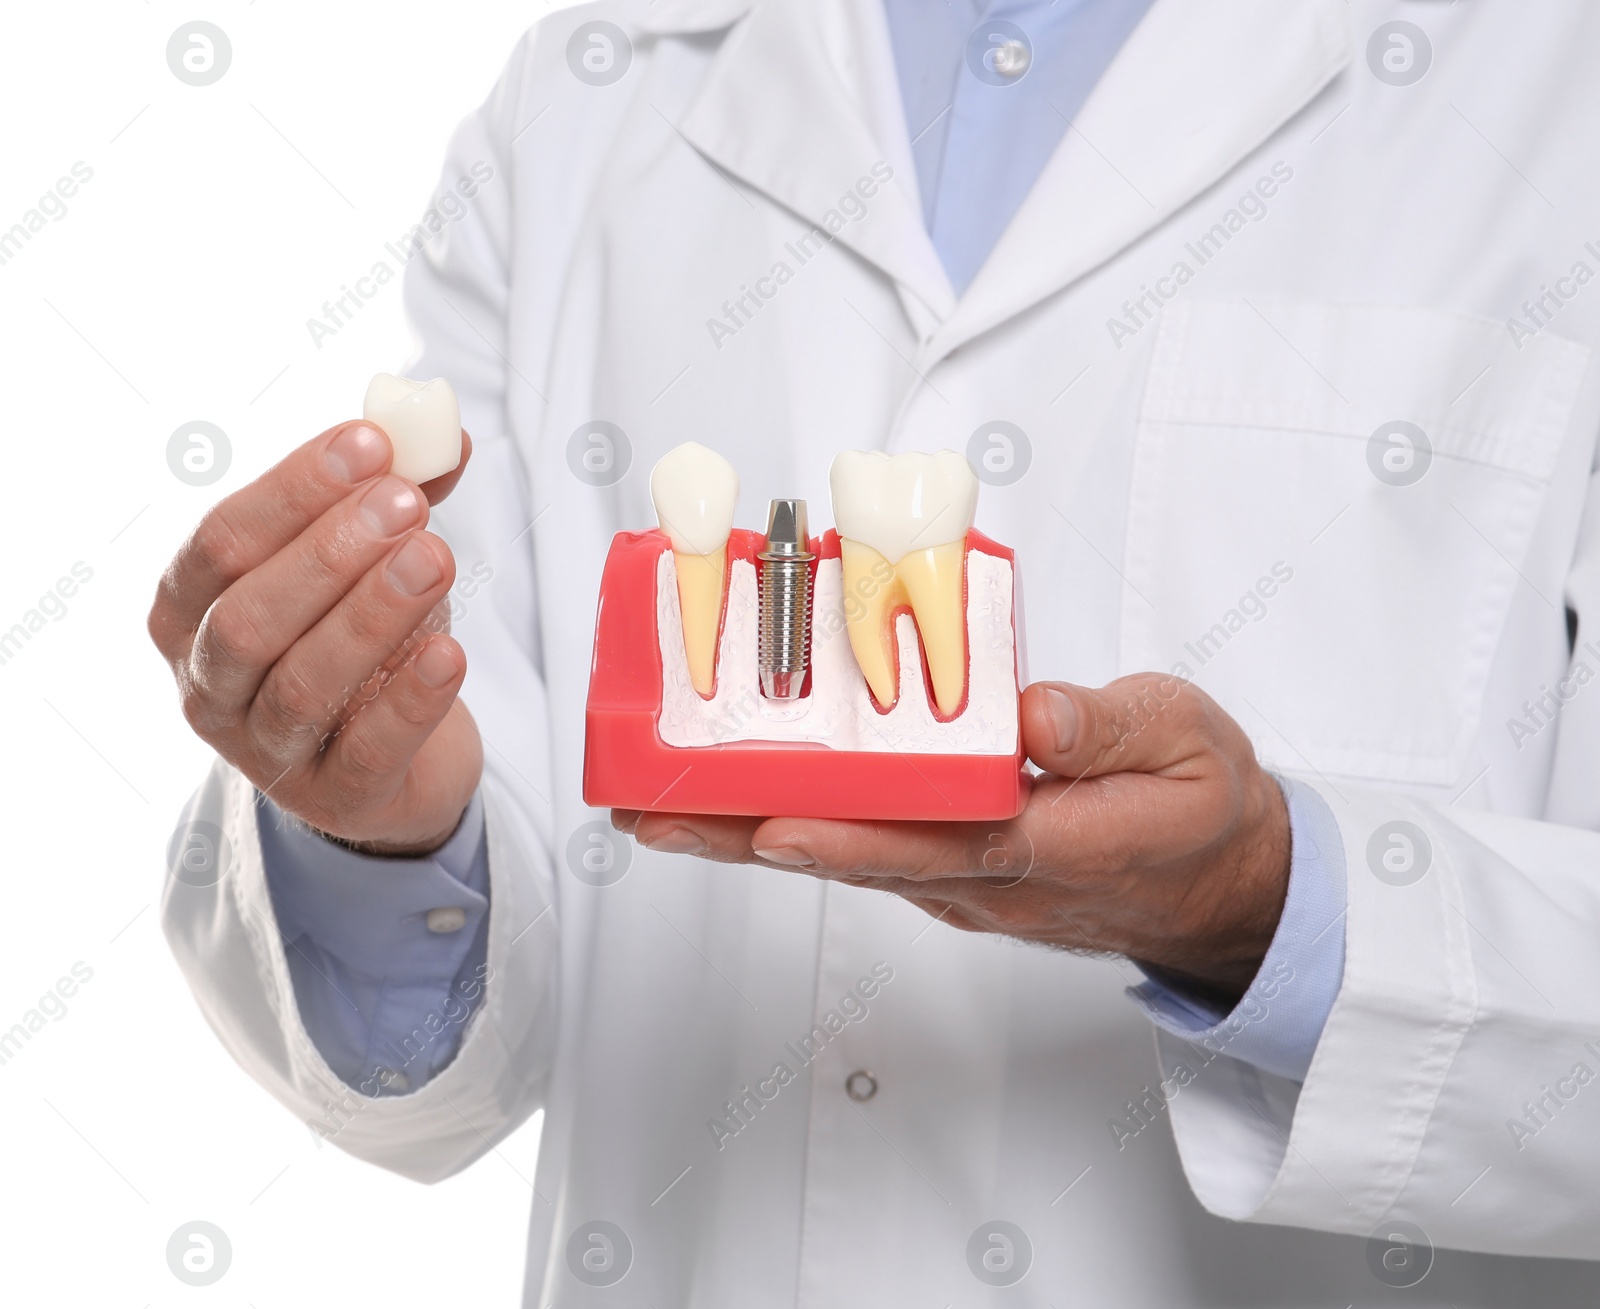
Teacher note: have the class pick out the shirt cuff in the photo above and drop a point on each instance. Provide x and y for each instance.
(387, 918)
(387, 956)
(1277, 1024)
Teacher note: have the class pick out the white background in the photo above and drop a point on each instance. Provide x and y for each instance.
(177, 287)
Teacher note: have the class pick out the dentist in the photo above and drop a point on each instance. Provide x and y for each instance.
(1243, 312)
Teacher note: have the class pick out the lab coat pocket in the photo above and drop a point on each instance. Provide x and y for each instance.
(1330, 510)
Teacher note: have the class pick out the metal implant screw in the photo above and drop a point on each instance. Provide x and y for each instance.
(784, 648)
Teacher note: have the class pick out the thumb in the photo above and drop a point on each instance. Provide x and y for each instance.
(1146, 723)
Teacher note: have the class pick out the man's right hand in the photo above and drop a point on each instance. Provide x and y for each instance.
(295, 619)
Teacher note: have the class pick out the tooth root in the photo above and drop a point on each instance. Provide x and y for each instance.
(872, 593)
(933, 582)
(700, 579)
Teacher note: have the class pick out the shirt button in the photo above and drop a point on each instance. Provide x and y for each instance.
(448, 919)
(392, 1081)
(861, 1085)
(1011, 59)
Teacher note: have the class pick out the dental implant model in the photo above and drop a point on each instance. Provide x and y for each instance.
(785, 641)
(868, 673)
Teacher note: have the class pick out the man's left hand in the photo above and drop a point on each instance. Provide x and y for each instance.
(1152, 833)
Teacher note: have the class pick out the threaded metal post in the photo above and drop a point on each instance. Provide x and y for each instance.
(784, 646)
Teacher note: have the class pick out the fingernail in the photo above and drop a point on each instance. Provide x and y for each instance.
(357, 453)
(391, 506)
(676, 840)
(436, 665)
(789, 855)
(415, 569)
(1064, 715)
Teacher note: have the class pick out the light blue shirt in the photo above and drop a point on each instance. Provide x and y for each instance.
(386, 999)
(384, 996)
(980, 138)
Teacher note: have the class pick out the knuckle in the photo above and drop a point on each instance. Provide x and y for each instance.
(217, 546)
(333, 554)
(1200, 715)
(378, 628)
(199, 711)
(371, 623)
(1112, 726)
(288, 701)
(1145, 702)
(230, 635)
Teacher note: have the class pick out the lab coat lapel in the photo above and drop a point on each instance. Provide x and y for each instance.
(801, 103)
(692, 17)
(1198, 85)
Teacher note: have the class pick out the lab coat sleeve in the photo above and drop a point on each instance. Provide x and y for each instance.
(1457, 1078)
(223, 929)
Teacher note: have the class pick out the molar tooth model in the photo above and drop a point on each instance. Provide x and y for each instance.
(868, 673)
(422, 421)
(903, 524)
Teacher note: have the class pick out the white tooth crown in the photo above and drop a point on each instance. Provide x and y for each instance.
(695, 491)
(905, 502)
(422, 421)
(903, 522)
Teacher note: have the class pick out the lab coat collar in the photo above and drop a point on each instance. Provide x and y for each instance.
(688, 17)
(1198, 85)
(801, 102)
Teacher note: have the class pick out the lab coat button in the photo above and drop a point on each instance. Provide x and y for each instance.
(448, 919)
(861, 1085)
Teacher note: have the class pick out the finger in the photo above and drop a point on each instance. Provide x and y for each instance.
(257, 619)
(1116, 824)
(313, 688)
(912, 851)
(439, 487)
(371, 758)
(253, 524)
(1147, 723)
(720, 837)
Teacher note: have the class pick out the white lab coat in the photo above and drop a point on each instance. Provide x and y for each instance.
(1174, 462)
